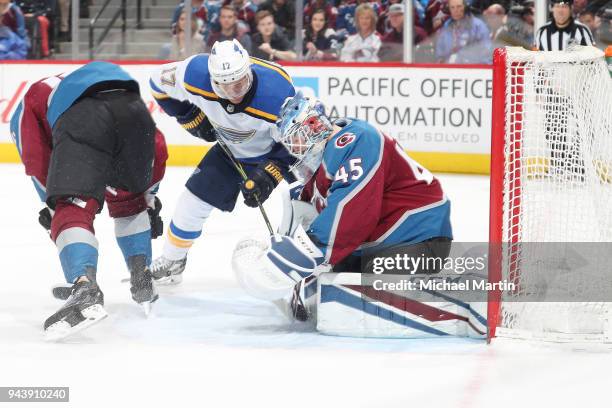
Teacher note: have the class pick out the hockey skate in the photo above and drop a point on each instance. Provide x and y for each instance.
(83, 308)
(167, 271)
(141, 281)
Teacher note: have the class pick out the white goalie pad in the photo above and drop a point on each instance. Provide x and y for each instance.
(253, 271)
(346, 307)
(269, 268)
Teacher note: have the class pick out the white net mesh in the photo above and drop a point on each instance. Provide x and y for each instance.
(557, 188)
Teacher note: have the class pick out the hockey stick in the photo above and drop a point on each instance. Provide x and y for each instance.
(244, 176)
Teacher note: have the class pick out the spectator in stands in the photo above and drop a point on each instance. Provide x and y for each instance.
(363, 46)
(517, 30)
(392, 48)
(330, 11)
(12, 47)
(38, 16)
(479, 6)
(318, 39)
(494, 16)
(213, 12)
(346, 14)
(579, 7)
(13, 18)
(177, 50)
(64, 20)
(284, 14)
(230, 28)
(463, 39)
(383, 18)
(589, 19)
(270, 42)
(436, 15)
(198, 8)
(604, 30)
(246, 12)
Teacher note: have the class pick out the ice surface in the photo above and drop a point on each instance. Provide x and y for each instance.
(210, 345)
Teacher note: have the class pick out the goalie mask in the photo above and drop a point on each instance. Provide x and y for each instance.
(304, 129)
(230, 70)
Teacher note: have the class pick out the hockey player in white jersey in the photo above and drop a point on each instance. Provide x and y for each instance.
(235, 99)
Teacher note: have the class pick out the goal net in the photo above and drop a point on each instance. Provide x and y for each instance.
(551, 195)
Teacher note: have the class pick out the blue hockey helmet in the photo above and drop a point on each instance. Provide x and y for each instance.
(304, 128)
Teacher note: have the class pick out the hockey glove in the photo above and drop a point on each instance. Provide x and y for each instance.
(157, 224)
(196, 123)
(44, 218)
(260, 184)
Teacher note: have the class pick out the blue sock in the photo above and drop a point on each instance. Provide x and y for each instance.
(78, 252)
(134, 236)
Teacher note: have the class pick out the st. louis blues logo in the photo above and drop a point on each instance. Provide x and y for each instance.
(344, 140)
(234, 135)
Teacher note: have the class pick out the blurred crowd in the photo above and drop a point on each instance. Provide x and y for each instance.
(445, 31)
(32, 28)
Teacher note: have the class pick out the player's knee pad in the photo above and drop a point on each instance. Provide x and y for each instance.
(73, 212)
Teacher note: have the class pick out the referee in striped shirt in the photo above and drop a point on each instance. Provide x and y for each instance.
(562, 30)
(563, 141)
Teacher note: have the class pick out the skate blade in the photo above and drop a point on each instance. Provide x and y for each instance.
(171, 280)
(62, 329)
(146, 308)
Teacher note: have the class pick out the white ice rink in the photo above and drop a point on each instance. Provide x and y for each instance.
(209, 345)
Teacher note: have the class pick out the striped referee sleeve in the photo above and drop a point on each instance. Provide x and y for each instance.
(583, 35)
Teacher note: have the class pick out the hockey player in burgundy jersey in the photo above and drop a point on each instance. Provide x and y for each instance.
(87, 138)
(367, 191)
(371, 199)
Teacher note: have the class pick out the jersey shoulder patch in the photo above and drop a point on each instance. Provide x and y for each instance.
(358, 139)
(196, 79)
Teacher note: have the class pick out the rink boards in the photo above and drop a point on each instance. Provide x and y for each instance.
(440, 114)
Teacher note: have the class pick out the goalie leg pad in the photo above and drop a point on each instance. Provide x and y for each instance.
(346, 307)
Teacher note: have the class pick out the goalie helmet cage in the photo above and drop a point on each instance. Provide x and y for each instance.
(551, 169)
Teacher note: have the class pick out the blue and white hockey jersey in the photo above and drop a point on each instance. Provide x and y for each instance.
(247, 128)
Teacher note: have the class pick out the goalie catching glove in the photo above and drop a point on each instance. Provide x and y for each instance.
(260, 184)
(270, 269)
(196, 123)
